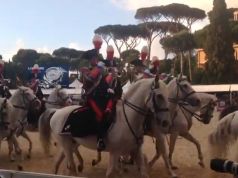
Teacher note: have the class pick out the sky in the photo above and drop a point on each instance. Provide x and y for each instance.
(46, 25)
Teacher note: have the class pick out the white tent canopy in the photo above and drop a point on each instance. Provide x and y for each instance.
(75, 84)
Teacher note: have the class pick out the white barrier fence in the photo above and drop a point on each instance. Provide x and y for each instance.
(198, 88)
(18, 174)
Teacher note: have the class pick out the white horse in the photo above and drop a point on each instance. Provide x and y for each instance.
(224, 135)
(182, 123)
(58, 98)
(127, 129)
(18, 105)
(184, 93)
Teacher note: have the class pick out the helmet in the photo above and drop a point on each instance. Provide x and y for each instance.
(110, 52)
(97, 41)
(144, 52)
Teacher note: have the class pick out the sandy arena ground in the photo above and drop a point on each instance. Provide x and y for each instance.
(185, 157)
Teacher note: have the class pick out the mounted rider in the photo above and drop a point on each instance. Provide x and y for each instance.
(140, 64)
(112, 76)
(34, 83)
(99, 98)
(110, 61)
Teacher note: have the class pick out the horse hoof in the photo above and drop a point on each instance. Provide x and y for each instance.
(55, 144)
(80, 168)
(20, 168)
(174, 167)
(12, 160)
(94, 162)
(201, 164)
(28, 156)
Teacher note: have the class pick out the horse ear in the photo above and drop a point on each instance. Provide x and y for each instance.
(157, 81)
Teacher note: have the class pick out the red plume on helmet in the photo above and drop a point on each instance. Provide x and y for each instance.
(144, 53)
(97, 41)
(110, 52)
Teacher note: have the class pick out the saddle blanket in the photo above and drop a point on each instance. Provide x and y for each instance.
(82, 122)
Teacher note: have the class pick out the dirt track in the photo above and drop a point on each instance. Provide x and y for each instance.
(185, 157)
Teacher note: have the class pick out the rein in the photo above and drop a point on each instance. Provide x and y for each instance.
(138, 139)
(194, 114)
(141, 111)
(25, 103)
(24, 107)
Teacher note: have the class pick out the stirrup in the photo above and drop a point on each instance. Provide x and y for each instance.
(101, 145)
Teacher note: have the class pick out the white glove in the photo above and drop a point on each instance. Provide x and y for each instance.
(109, 90)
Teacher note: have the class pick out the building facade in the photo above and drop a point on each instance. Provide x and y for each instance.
(201, 55)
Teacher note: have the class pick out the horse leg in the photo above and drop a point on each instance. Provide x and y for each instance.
(98, 160)
(24, 135)
(173, 138)
(141, 162)
(68, 147)
(113, 163)
(10, 150)
(59, 158)
(156, 156)
(80, 159)
(190, 138)
(161, 147)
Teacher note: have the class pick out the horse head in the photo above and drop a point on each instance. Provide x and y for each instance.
(182, 93)
(24, 98)
(59, 97)
(209, 103)
(159, 105)
(151, 96)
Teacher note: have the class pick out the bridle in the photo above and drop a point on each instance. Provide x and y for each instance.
(182, 101)
(200, 117)
(142, 111)
(26, 102)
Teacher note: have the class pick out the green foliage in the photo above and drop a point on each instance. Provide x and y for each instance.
(26, 57)
(180, 42)
(200, 37)
(130, 55)
(165, 66)
(67, 53)
(220, 67)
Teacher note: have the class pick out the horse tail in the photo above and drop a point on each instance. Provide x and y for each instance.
(223, 136)
(45, 130)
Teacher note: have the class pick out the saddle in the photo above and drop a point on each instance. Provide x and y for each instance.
(82, 122)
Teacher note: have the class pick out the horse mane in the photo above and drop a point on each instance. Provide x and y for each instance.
(228, 110)
(134, 87)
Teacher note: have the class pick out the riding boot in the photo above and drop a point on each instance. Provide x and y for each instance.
(100, 143)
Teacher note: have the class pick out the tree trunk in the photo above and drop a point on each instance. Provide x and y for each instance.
(181, 63)
(189, 65)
